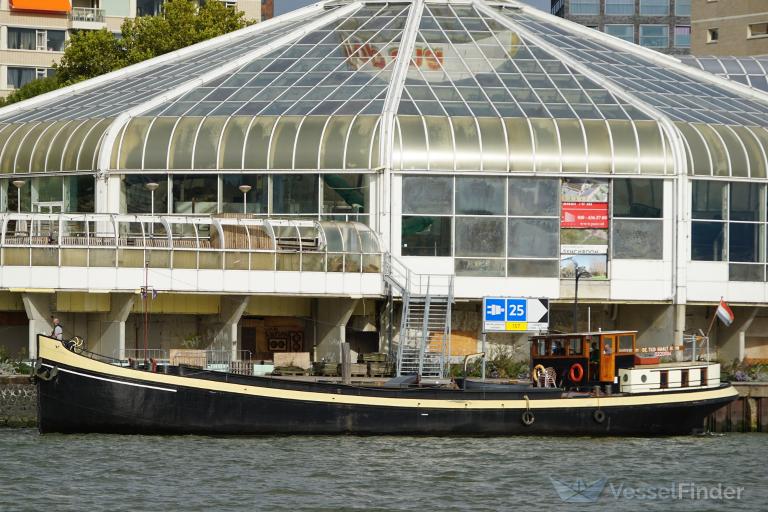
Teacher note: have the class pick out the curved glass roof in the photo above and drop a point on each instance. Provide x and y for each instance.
(751, 71)
(430, 86)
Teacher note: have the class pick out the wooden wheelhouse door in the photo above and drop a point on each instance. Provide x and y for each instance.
(607, 358)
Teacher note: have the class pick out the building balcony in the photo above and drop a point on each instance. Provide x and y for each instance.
(87, 18)
(102, 252)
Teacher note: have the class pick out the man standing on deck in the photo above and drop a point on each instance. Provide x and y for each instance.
(58, 330)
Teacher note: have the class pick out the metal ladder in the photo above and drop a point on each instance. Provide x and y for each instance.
(425, 326)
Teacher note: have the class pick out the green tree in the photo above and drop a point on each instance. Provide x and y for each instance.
(31, 89)
(91, 53)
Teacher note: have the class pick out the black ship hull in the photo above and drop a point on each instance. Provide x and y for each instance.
(85, 395)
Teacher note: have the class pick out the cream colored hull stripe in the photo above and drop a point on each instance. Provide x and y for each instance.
(87, 376)
(54, 351)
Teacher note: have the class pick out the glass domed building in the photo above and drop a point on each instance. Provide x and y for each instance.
(487, 141)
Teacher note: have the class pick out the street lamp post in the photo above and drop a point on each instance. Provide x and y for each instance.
(18, 184)
(152, 186)
(579, 272)
(245, 189)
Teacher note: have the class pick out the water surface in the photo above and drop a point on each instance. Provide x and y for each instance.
(191, 474)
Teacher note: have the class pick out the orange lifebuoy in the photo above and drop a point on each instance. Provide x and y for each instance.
(576, 373)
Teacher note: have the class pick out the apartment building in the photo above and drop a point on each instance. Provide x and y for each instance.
(663, 25)
(729, 27)
(33, 33)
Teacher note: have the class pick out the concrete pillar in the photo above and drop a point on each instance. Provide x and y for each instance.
(331, 317)
(733, 339)
(38, 308)
(679, 323)
(111, 341)
(224, 325)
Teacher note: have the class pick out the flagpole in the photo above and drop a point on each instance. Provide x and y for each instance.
(714, 316)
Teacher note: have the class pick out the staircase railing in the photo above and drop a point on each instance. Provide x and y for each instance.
(425, 292)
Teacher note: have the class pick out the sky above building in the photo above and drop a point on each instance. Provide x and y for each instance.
(284, 6)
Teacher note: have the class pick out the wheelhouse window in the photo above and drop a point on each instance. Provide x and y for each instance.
(626, 343)
(575, 347)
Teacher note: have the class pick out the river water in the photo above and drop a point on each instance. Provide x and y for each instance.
(190, 474)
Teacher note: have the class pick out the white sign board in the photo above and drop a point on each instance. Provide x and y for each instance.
(515, 314)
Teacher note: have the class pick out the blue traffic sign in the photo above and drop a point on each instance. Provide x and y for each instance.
(516, 310)
(494, 309)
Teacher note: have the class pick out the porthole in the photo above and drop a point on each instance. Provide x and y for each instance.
(643, 378)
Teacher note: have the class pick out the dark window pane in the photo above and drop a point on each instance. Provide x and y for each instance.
(534, 197)
(708, 200)
(533, 238)
(480, 196)
(532, 268)
(707, 241)
(479, 236)
(479, 267)
(294, 194)
(742, 272)
(638, 198)
(194, 193)
(138, 198)
(426, 236)
(82, 194)
(744, 242)
(745, 201)
(638, 239)
(427, 195)
(232, 196)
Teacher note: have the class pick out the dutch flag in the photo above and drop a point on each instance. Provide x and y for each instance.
(724, 313)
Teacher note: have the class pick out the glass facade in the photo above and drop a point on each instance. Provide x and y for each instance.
(625, 32)
(620, 7)
(683, 36)
(654, 36)
(654, 7)
(729, 225)
(683, 8)
(466, 217)
(585, 7)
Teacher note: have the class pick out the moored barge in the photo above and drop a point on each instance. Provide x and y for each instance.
(81, 392)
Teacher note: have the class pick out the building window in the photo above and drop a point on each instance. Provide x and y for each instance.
(295, 194)
(713, 35)
(729, 225)
(19, 77)
(654, 36)
(625, 32)
(533, 231)
(346, 197)
(638, 230)
(654, 7)
(585, 7)
(683, 36)
(138, 198)
(427, 209)
(619, 7)
(683, 8)
(39, 40)
(255, 200)
(757, 30)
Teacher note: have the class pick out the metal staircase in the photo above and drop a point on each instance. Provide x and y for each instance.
(425, 326)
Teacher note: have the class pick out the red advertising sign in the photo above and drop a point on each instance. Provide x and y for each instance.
(584, 215)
